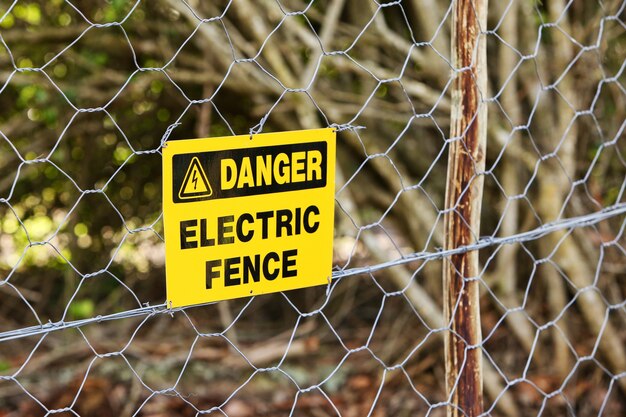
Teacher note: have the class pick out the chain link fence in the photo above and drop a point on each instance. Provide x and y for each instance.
(91, 90)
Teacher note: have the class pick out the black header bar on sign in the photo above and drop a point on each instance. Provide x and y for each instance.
(250, 171)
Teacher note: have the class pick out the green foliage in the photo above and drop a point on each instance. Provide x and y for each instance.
(82, 309)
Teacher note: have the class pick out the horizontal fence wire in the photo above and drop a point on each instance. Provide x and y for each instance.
(566, 224)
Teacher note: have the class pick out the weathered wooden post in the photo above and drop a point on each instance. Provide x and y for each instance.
(464, 191)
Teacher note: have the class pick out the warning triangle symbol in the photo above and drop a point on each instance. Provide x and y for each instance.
(195, 183)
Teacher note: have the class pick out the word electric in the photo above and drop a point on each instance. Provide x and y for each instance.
(247, 216)
(228, 230)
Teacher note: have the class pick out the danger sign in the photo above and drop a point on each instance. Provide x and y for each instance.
(248, 216)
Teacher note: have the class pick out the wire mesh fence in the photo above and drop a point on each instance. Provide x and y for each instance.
(91, 90)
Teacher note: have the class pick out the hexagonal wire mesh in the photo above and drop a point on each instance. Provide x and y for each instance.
(91, 90)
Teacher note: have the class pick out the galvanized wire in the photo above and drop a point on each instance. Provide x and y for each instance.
(375, 246)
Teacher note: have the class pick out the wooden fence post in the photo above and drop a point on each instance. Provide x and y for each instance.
(464, 190)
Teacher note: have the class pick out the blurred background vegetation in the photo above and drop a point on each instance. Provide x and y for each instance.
(89, 89)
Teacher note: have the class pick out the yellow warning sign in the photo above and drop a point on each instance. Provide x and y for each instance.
(246, 216)
(195, 183)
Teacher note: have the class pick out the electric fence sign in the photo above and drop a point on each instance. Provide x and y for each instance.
(247, 215)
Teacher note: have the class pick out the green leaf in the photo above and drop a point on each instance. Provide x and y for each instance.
(82, 309)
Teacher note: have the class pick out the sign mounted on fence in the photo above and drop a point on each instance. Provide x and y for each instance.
(247, 216)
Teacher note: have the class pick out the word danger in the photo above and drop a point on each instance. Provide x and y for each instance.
(264, 170)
